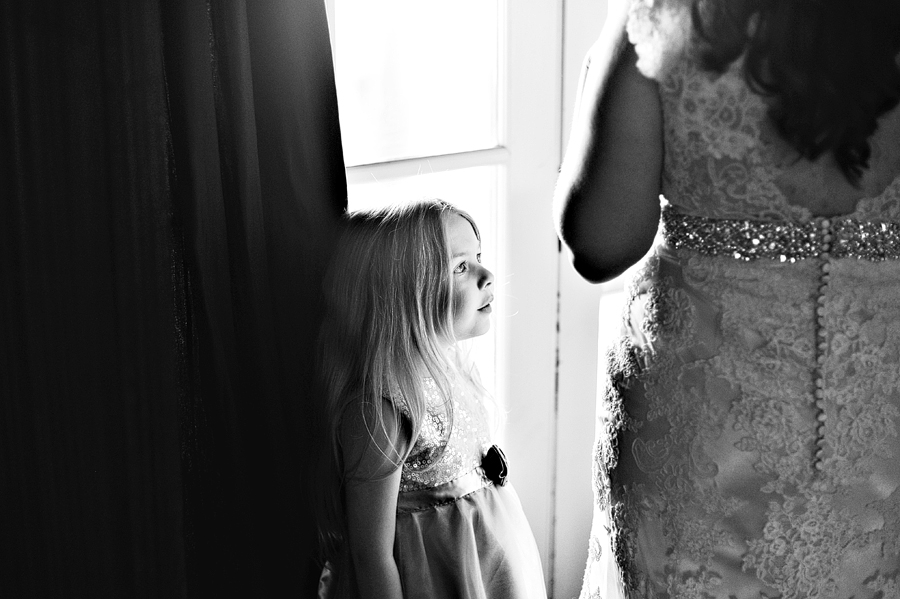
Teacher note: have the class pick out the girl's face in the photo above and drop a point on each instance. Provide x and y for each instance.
(473, 289)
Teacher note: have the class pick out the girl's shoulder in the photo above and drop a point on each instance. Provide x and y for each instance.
(375, 437)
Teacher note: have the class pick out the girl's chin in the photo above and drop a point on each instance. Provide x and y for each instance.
(472, 334)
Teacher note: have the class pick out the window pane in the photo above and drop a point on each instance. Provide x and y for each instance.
(473, 190)
(416, 78)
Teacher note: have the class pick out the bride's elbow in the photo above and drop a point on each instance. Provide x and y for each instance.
(601, 262)
(593, 272)
(599, 271)
(605, 233)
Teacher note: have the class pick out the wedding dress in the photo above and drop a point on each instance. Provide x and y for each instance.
(747, 440)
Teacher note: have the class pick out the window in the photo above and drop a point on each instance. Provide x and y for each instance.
(440, 62)
(463, 100)
(418, 90)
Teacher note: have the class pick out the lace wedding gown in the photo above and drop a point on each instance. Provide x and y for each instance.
(747, 440)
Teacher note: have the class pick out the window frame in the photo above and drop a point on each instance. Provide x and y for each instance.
(547, 349)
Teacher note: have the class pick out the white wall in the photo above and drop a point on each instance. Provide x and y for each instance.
(548, 378)
(548, 348)
(526, 352)
(579, 345)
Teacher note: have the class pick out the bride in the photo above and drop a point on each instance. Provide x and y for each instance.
(747, 439)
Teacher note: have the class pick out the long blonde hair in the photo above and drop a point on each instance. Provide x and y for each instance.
(388, 324)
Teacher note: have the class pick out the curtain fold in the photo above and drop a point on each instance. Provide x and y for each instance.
(171, 177)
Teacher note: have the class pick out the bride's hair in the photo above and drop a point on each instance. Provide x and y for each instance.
(830, 66)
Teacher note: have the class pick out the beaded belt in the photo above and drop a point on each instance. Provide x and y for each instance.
(782, 240)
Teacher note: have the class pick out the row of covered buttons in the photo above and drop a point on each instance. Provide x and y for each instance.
(822, 340)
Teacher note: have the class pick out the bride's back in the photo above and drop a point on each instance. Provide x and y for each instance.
(737, 130)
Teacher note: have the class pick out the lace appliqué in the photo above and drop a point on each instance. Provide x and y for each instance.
(623, 361)
(715, 164)
(812, 521)
(889, 586)
(746, 392)
(624, 366)
(723, 158)
(885, 206)
(801, 547)
(659, 30)
(595, 549)
(663, 311)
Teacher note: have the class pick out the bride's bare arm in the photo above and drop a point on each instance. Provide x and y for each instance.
(606, 204)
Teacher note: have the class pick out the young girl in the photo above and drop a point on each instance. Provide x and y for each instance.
(419, 502)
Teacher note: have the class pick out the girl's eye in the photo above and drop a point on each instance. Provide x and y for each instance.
(478, 257)
(461, 267)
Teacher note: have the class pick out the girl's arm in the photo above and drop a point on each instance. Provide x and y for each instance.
(373, 483)
(606, 204)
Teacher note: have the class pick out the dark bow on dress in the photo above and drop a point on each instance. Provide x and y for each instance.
(495, 466)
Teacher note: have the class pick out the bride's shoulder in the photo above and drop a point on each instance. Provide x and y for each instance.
(661, 32)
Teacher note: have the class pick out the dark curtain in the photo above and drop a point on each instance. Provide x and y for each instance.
(170, 180)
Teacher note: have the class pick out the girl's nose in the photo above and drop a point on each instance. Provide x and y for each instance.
(486, 278)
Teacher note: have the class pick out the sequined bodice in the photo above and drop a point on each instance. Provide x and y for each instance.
(442, 452)
(749, 432)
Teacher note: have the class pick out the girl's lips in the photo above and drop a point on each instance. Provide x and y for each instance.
(486, 309)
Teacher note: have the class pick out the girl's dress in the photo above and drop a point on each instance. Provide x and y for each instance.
(747, 440)
(460, 534)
